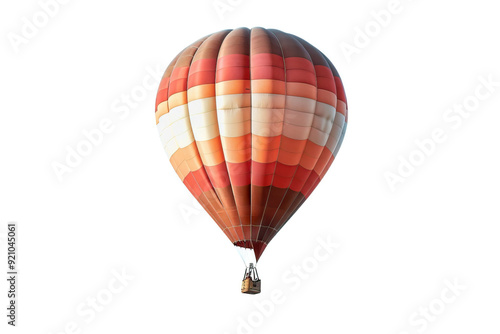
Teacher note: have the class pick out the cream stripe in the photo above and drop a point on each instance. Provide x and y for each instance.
(301, 104)
(341, 140)
(203, 120)
(171, 147)
(202, 106)
(299, 118)
(271, 101)
(175, 129)
(267, 129)
(267, 115)
(237, 115)
(318, 137)
(176, 114)
(235, 129)
(322, 123)
(180, 126)
(185, 139)
(324, 116)
(233, 101)
(336, 132)
(206, 133)
(296, 132)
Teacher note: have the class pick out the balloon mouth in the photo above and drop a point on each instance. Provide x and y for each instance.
(250, 251)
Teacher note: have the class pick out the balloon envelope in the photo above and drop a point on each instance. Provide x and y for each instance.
(251, 121)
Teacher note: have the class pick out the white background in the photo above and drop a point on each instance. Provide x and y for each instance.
(123, 208)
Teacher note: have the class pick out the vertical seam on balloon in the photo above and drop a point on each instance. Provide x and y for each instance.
(333, 70)
(279, 226)
(175, 137)
(340, 142)
(251, 134)
(196, 142)
(344, 126)
(324, 147)
(282, 127)
(220, 138)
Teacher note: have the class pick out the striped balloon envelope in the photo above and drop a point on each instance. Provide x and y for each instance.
(251, 120)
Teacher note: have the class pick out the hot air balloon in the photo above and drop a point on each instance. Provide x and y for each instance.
(251, 120)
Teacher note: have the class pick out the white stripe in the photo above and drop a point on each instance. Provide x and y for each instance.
(336, 132)
(171, 147)
(202, 105)
(237, 115)
(267, 115)
(299, 118)
(235, 129)
(185, 139)
(296, 132)
(206, 133)
(176, 114)
(318, 137)
(271, 101)
(180, 126)
(341, 140)
(233, 101)
(324, 116)
(267, 129)
(301, 104)
(203, 120)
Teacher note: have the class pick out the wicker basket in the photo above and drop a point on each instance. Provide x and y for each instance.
(249, 286)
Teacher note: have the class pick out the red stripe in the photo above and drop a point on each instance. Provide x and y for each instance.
(323, 71)
(340, 90)
(327, 84)
(267, 72)
(267, 59)
(179, 72)
(233, 73)
(327, 167)
(191, 184)
(309, 192)
(202, 178)
(203, 65)
(300, 178)
(162, 96)
(201, 78)
(262, 173)
(263, 168)
(308, 187)
(283, 175)
(218, 175)
(301, 76)
(299, 63)
(177, 86)
(239, 173)
(325, 78)
(233, 60)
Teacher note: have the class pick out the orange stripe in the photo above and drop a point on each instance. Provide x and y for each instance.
(236, 143)
(301, 90)
(265, 143)
(201, 92)
(209, 146)
(327, 97)
(233, 87)
(162, 110)
(267, 86)
(176, 100)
